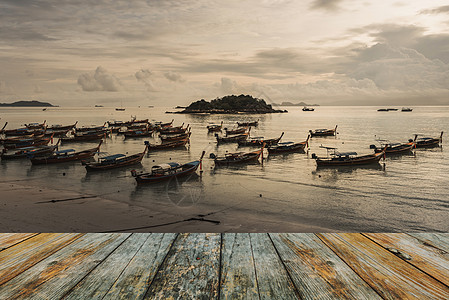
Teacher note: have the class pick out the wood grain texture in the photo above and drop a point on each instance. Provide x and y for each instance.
(10, 239)
(20, 257)
(272, 277)
(190, 270)
(430, 260)
(389, 275)
(316, 271)
(52, 277)
(437, 240)
(141, 270)
(101, 279)
(238, 275)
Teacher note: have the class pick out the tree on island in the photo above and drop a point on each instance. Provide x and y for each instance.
(231, 104)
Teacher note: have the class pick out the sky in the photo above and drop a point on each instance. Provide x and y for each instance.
(164, 53)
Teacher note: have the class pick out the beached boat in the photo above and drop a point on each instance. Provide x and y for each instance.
(66, 155)
(31, 142)
(238, 157)
(115, 161)
(428, 142)
(236, 131)
(394, 148)
(231, 139)
(28, 152)
(259, 141)
(167, 145)
(214, 127)
(323, 132)
(246, 124)
(335, 158)
(167, 171)
(288, 147)
(308, 108)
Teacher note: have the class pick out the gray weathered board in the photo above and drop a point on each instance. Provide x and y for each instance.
(224, 266)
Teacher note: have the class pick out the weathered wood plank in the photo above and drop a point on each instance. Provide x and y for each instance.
(100, 280)
(437, 240)
(390, 276)
(238, 277)
(52, 277)
(9, 239)
(140, 272)
(20, 257)
(190, 270)
(272, 277)
(316, 271)
(430, 260)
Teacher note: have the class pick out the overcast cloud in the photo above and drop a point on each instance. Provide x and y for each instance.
(177, 51)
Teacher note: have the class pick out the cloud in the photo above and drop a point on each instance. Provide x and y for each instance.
(328, 5)
(174, 76)
(4, 88)
(99, 80)
(144, 75)
(439, 10)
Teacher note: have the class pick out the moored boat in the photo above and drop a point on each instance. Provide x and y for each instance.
(428, 142)
(238, 157)
(232, 139)
(167, 171)
(407, 109)
(30, 142)
(246, 124)
(28, 152)
(66, 155)
(259, 141)
(35, 125)
(214, 127)
(323, 132)
(115, 161)
(394, 148)
(288, 147)
(308, 108)
(335, 158)
(167, 145)
(236, 131)
(84, 137)
(173, 130)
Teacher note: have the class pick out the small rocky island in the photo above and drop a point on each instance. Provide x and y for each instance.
(33, 103)
(231, 105)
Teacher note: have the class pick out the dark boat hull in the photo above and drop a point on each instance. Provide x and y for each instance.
(361, 160)
(144, 179)
(404, 148)
(287, 149)
(129, 161)
(246, 158)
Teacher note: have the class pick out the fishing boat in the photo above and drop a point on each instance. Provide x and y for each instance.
(238, 157)
(138, 133)
(428, 142)
(308, 108)
(61, 127)
(407, 109)
(164, 125)
(394, 148)
(18, 139)
(35, 125)
(232, 139)
(167, 171)
(288, 147)
(31, 142)
(84, 137)
(214, 127)
(28, 152)
(66, 155)
(259, 141)
(91, 128)
(177, 137)
(174, 130)
(115, 161)
(168, 145)
(246, 124)
(236, 131)
(323, 132)
(335, 158)
(383, 109)
(21, 131)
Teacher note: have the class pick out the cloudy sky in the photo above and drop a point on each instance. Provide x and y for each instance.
(373, 52)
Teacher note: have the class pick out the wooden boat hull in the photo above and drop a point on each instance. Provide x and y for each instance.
(428, 144)
(287, 149)
(128, 161)
(361, 160)
(28, 153)
(169, 145)
(328, 132)
(236, 131)
(232, 139)
(404, 148)
(248, 157)
(32, 143)
(53, 159)
(145, 178)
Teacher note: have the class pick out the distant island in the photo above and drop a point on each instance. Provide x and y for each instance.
(294, 104)
(32, 103)
(231, 105)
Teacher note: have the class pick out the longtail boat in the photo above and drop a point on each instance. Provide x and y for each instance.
(65, 156)
(168, 145)
(246, 124)
(35, 125)
(21, 131)
(259, 141)
(428, 142)
(238, 157)
(84, 137)
(174, 130)
(177, 137)
(335, 158)
(17, 139)
(91, 128)
(164, 125)
(57, 133)
(236, 131)
(288, 147)
(28, 152)
(323, 132)
(115, 161)
(167, 171)
(214, 127)
(232, 139)
(31, 142)
(305, 108)
(61, 127)
(394, 148)
(143, 132)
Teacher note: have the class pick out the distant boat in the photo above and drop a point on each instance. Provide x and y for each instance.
(150, 106)
(98, 105)
(323, 132)
(308, 108)
(387, 109)
(120, 109)
(407, 109)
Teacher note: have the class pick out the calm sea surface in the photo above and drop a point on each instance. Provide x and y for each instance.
(403, 193)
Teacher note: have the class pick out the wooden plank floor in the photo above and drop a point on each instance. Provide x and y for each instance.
(224, 266)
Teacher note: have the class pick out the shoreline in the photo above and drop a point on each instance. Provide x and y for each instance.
(41, 209)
